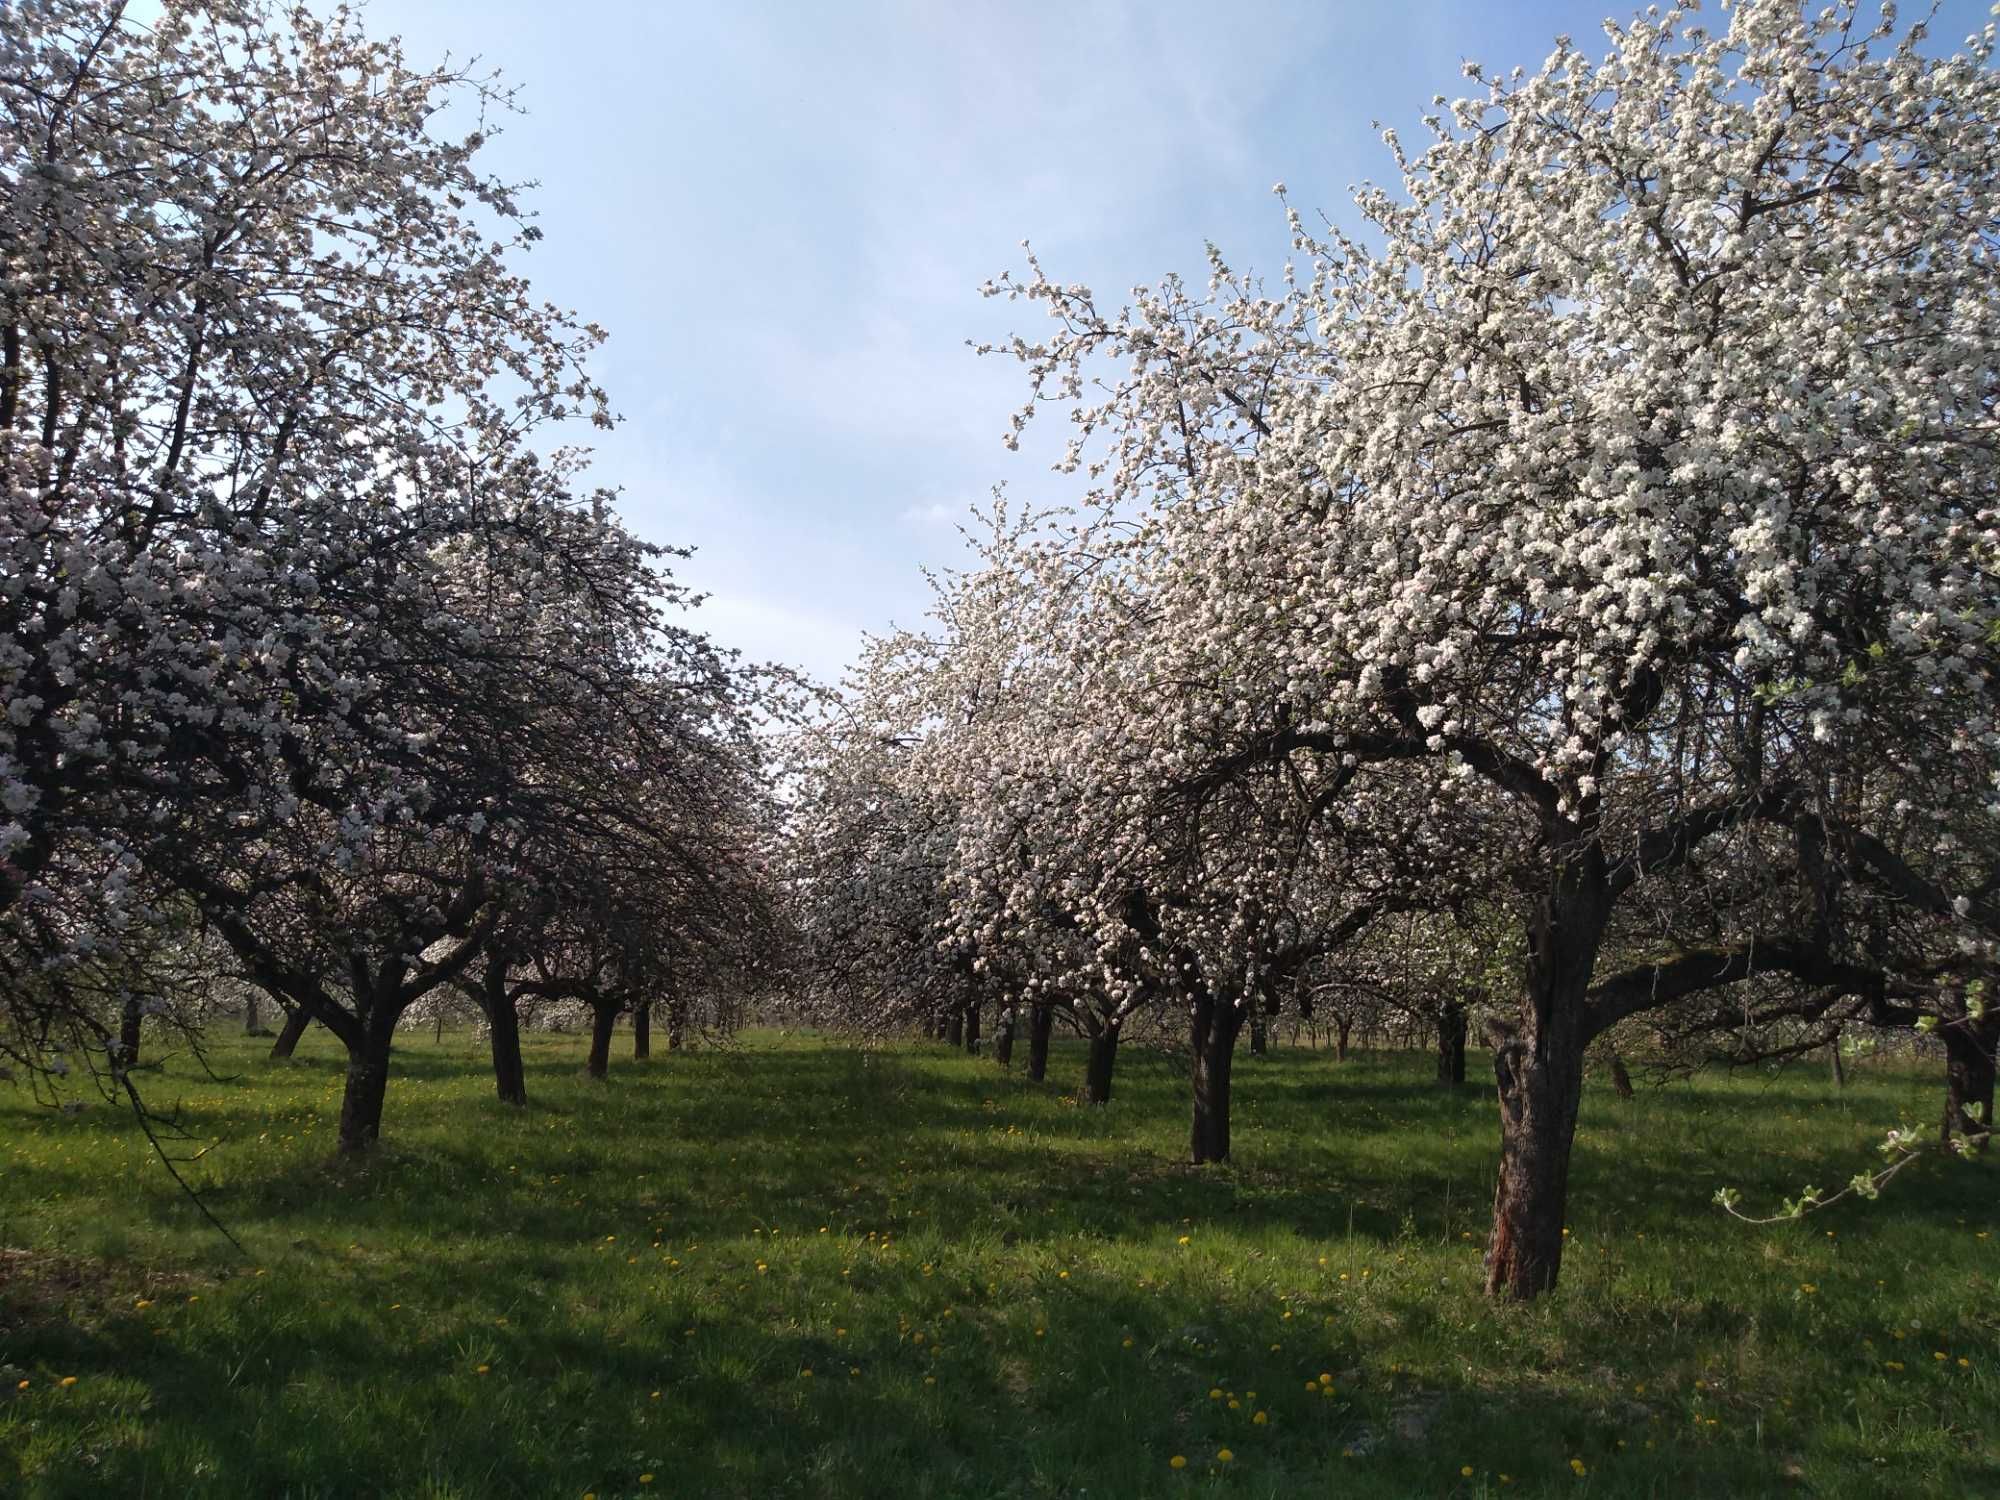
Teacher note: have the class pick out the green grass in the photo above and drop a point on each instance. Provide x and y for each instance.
(996, 1290)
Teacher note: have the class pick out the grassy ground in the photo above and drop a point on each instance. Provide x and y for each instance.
(795, 1269)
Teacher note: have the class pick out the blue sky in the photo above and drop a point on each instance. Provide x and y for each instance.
(782, 213)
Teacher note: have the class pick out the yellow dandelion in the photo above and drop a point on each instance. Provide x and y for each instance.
(1223, 1456)
(23, 1385)
(482, 1369)
(1178, 1461)
(805, 1374)
(1236, 1406)
(645, 1479)
(1576, 1464)
(1215, 1393)
(1128, 1343)
(1261, 1418)
(1465, 1471)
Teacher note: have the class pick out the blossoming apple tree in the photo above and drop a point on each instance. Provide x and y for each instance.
(1636, 464)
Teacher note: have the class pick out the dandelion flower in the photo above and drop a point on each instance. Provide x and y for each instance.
(1576, 1464)
(1261, 1418)
(1223, 1456)
(1178, 1461)
(1465, 1471)
(645, 1479)
(482, 1369)
(1215, 1393)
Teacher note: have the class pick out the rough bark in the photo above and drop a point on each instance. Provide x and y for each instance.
(972, 1025)
(1538, 1066)
(1041, 1021)
(1451, 1044)
(253, 1016)
(1097, 1072)
(367, 1084)
(1215, 1028)
(296, 1022)
(1003, 1038)
(1969, 1048)
(503, 1026)
(1835, 1063)
(1259, 1031)
(954, 1027)
(642, 1030)
(602, 1019)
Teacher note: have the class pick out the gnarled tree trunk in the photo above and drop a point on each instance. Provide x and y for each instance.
(603, 1018)
(503, 1027)
(1343, 1028)
(642, 1030)
(1097, 1071)
(1213, 1033)
(296, 1022)
(1041, 1021)
(1538, 1066)
(1003, 1038)
(369, 1045)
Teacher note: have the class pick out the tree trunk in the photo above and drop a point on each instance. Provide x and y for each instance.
(367, 1083)
(1041, 1020)
(1215, 1029)
(1969, 1047)
(1451, 1044)
(1097, 1074)
(253, 1021)
(296, 1022)
(642, 1030)
(1620, 1079)
(676, 1024)
(1003, 1038)
(1258, 1030)
(1539, 1069)
(972, 1025)
(1835, 1063)
(602, 1019)
(503, 1026)
(128, 1033)
(1344, 1028)
(954, 1027)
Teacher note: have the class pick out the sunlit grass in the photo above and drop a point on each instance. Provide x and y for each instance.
(793, 1269)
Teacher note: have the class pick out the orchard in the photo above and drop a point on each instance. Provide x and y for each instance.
(1543, 633)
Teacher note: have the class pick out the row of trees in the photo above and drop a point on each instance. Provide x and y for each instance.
(316, 670)
(1581, 585)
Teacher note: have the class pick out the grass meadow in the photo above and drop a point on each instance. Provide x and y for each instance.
(792, 1268)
